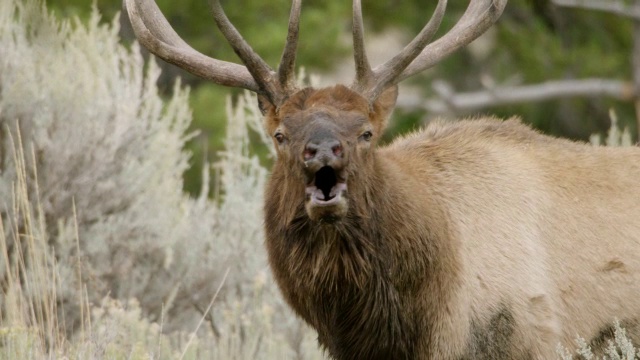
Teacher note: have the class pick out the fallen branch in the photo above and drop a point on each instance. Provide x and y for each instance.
(618, 7)
(450, 102)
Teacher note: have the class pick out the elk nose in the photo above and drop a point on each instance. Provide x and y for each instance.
(324, 151)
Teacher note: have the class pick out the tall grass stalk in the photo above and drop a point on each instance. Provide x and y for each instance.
(29, 317)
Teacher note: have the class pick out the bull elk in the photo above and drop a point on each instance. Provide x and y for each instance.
(479, 239)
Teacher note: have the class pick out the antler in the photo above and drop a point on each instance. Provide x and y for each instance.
(155, 33)
(419, 55)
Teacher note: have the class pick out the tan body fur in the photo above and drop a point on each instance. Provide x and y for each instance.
(545, 227)
(479, 239)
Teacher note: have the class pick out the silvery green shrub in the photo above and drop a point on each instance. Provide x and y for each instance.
(106, 152)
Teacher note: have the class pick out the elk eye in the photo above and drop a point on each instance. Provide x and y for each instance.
(366, 136)
(279, 137)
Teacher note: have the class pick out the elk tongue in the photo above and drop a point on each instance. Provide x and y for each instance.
(323, 197)
(318, 194)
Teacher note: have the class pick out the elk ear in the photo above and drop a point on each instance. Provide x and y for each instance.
(384, 104)
(266, 107)
(268, 110)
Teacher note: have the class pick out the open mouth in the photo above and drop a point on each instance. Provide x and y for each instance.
(326, 187)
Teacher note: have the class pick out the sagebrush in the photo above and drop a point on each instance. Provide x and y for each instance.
(102, 181)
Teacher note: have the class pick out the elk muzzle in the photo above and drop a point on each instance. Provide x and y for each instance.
(325, 162)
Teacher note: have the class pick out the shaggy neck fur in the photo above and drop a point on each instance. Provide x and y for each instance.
(345, 279)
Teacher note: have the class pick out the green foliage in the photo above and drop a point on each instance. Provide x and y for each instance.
(557, 44)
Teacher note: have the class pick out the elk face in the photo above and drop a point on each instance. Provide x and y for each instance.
(325, 139)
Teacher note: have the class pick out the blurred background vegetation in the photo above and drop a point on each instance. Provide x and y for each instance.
(534, 41)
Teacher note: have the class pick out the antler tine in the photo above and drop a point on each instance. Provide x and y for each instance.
(286, 69)
(154, 32)
(364, 75)
(261, 71)
(387, 73)
(418, 55)
(478, 17)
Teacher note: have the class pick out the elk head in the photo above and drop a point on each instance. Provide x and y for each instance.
(324, 137)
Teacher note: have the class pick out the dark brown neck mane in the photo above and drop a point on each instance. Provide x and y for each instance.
(342, 277)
